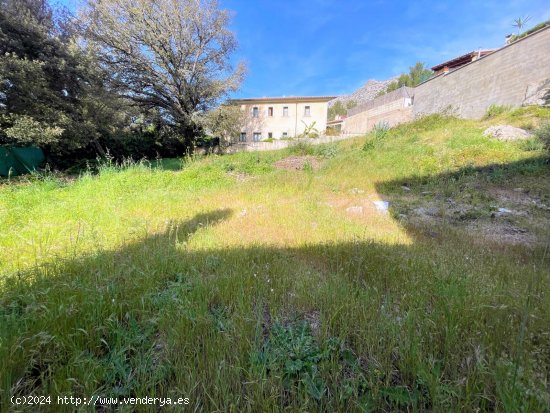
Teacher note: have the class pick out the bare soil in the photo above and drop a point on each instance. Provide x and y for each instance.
(297, 163)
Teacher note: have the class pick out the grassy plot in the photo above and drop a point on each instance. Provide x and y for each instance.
(246, 287)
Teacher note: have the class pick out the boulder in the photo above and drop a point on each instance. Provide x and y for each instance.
(506, 133)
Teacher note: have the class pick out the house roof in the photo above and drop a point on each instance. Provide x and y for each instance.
(462, 60)
(284, 99)
(335, 121)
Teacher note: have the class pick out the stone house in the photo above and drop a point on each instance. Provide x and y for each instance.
(282, 117)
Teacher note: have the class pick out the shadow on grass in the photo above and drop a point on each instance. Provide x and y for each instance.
(330, 327)
(496, 173)
(495, 201)
(168, 164)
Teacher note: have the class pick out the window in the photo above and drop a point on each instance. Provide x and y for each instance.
(285, 111)
(242, 138)
(269, 135)
(307, 111)
(270, 111)
(255, 111)
(257, 136)
(285, 134)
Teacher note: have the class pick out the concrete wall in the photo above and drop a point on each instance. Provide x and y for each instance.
(278, 124)
(505, 77)
(280, 144)
(392, 108)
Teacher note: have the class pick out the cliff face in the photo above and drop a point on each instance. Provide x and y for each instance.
(365, 93)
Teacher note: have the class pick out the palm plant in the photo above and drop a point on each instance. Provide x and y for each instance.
(519, 23)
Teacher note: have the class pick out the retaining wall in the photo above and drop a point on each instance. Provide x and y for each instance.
(511, 76)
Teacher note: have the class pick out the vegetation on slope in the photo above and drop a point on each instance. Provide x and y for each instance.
(250, 288)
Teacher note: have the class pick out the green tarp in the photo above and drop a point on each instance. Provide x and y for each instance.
(17, 161)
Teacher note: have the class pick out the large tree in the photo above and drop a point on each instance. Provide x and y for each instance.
(51, 92)
(168, 55)
(417, 74)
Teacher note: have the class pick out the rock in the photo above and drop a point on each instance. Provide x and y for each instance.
(355, 209)
(506, 133)
(427, 211)
(405, 188)
(537, 94)
(425, 193)
(365, 93)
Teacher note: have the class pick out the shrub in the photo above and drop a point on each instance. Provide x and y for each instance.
(328, 151)
(302, 148)
(378, 133)
(310, 131)
(381, 129)
(543, 133)
(539, 26)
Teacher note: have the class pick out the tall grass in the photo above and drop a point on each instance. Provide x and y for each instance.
(247, 288)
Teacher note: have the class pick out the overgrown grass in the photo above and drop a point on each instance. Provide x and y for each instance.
(248, 288)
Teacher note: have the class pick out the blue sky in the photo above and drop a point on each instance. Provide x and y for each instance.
(331, 47)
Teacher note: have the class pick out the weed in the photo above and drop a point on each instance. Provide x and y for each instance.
(302, 148)
(543, 133)
(327, 151)
(376, 136)
(496, 110)
(532, 144)
(292, 352)
(140, 278)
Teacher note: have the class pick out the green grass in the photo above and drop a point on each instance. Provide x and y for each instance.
(249, 288)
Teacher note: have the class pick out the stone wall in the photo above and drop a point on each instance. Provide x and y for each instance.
(513, 75)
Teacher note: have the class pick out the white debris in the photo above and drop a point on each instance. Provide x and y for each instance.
(381, 205)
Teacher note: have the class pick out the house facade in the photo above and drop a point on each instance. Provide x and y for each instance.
(282, 117)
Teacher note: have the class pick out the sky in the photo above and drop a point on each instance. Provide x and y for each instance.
(331, 47)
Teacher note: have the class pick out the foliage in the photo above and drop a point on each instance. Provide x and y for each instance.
(496, 110)
(52, 93)
(543, 134)
(225, 121)
(417, 74)
(310, 131)
(520, 22)
(327, 151)
(535, 28)
(376, 136)
(24, 130)
(292, 352)
(173, 56)
(339, 109)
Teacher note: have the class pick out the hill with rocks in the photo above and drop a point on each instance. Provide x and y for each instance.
(365, 93)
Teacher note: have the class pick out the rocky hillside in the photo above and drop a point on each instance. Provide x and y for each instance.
(365, 93)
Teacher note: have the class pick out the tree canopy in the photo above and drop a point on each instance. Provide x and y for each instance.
(168, 55)
(135, 77)
(340, 109)
(417, 74)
